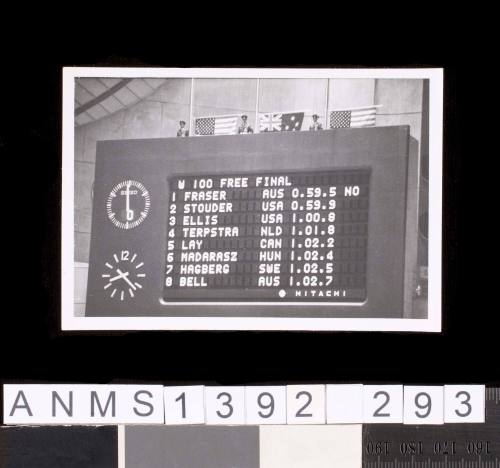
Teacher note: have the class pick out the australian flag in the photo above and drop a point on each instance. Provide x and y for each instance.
(281, 122)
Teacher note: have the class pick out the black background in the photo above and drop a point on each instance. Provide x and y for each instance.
(33, 349)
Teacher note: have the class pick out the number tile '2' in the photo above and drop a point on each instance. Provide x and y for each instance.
(305, 404)
(383, 404)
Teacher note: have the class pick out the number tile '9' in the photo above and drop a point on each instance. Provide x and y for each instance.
(265, 405)
(305, 404)
(383, 404)
(423, 405)
(225, 405)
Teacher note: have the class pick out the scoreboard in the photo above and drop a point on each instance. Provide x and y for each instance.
(268, 236)
(291, 224)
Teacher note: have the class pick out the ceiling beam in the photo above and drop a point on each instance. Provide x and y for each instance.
(109, 92)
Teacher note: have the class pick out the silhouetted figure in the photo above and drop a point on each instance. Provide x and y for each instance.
(244, 127)
(315, 126)
(183, 131)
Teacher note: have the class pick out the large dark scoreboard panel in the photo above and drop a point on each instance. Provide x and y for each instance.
(306, 224)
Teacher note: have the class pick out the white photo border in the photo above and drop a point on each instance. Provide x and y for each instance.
(430, 324)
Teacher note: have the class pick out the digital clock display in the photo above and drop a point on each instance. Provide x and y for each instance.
(268, 237)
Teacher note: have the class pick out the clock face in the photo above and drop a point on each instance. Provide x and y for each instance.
(123, 276)
(128, 204)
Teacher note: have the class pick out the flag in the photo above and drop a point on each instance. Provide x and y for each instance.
(356, 117)
(217, 125)
(281, 122)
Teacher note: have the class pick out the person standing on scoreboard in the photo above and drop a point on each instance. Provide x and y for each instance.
(244, 127)
(315, 126)
(183, 131)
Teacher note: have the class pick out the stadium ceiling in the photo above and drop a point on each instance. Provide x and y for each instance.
(96, 98)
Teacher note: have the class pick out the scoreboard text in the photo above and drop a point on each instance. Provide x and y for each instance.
(280, 237)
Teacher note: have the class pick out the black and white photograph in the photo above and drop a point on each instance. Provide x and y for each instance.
(252, 199)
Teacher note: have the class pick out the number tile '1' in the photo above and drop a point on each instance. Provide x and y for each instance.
(184, 405)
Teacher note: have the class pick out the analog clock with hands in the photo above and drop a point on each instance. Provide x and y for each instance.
(123, 277)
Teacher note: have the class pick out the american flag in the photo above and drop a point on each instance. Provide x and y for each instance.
(355, 117)
(281, 122)
(217, 125)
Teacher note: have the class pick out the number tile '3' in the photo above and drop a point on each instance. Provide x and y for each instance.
(225, 405)
(464, 403)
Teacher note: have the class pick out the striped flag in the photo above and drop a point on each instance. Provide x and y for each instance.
(355, 117)
(217, 125)
(281, 121)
